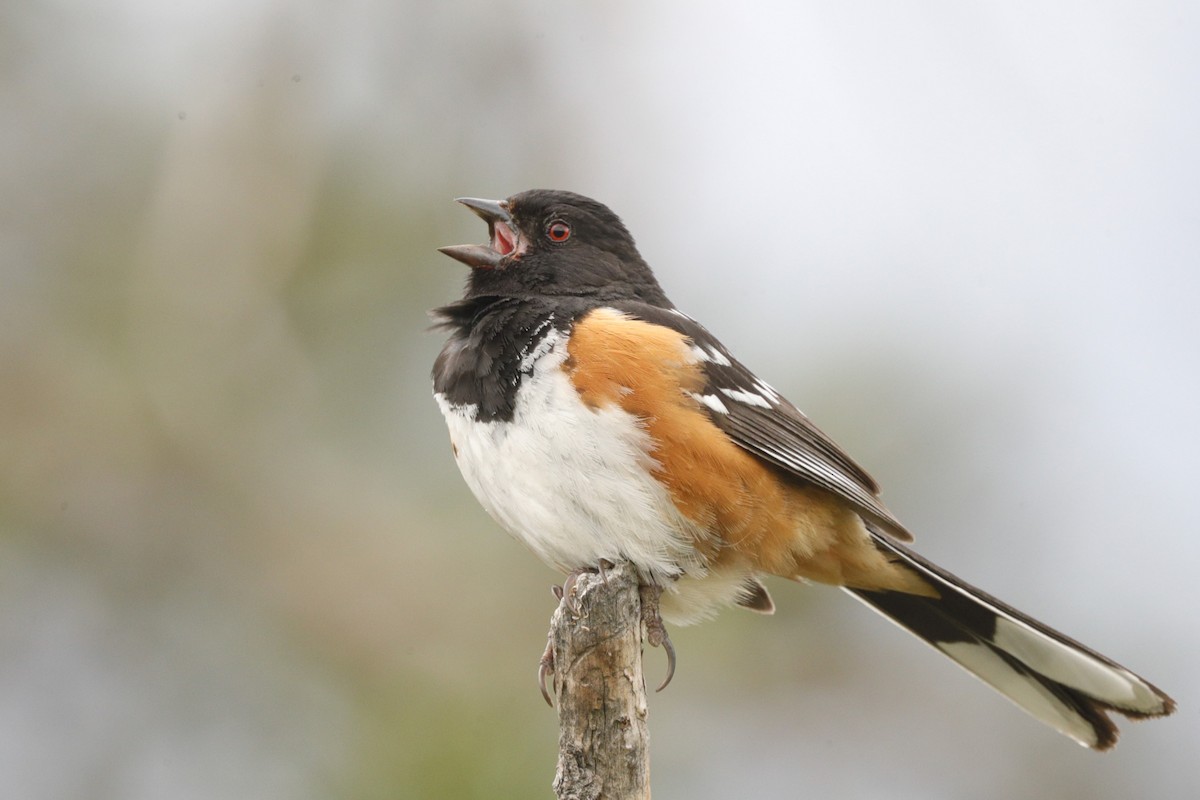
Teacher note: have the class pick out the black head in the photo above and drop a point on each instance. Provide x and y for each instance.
(554, 243)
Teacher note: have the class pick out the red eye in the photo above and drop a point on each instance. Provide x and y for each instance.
(558, 231)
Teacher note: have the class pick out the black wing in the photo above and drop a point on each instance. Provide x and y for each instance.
(761, 421)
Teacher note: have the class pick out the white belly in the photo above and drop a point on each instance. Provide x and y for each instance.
(572, 483)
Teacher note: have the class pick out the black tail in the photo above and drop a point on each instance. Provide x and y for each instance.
(1051, 676)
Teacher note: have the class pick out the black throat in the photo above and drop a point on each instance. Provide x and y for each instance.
(493, 341)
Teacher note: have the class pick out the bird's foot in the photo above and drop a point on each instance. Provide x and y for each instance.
(656, 632)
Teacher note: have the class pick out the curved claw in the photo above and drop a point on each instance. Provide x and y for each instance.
(656, 632)
(670, 648)
(602, 567)
(545, 669)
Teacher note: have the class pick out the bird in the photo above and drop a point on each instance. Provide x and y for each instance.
(596, 422)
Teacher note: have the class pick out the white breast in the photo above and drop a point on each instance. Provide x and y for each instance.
(571, 482)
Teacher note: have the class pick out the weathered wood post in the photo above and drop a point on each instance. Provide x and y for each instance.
(604, 738)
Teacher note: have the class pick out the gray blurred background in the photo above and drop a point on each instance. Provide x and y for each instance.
(236, 559)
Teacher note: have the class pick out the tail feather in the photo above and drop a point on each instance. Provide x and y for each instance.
(1049, 675)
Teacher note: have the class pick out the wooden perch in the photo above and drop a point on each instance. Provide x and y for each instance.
(603, 742)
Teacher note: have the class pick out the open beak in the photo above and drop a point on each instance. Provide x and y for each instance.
(504, 240)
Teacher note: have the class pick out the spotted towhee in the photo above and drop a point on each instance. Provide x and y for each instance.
(595, 421)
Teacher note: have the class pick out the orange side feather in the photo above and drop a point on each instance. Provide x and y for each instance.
(750, 512)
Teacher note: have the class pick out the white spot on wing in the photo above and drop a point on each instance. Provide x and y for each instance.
(767, 390)
(710, 400)
(748, 398)
(698, 351)
(717, 357)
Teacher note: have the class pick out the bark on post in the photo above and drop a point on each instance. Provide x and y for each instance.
(603, 743)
